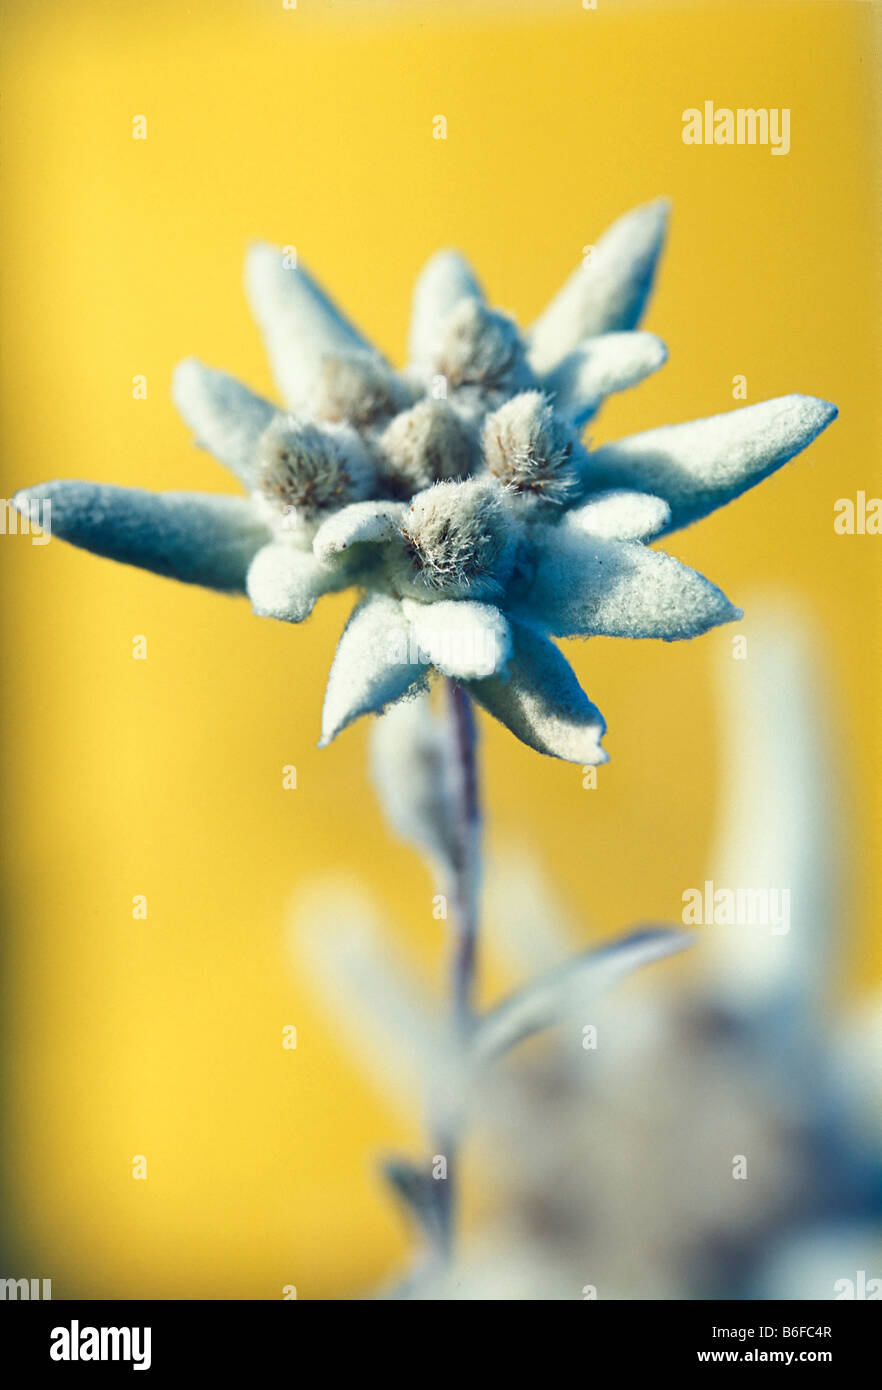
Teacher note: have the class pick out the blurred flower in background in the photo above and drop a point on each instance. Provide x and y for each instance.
(718, 1137)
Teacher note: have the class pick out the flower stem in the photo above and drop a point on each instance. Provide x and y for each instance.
(465, 888)
(468, 861)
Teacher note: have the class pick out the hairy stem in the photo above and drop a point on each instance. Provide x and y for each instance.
(465, 888)
(466, 884)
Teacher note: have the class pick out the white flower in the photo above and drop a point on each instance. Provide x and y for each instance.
(456, 495)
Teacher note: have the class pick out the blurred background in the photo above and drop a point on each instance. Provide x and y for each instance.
(162, 1036)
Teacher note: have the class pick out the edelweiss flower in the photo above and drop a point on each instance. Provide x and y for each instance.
(457, 494)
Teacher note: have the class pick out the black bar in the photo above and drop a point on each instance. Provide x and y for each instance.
(627, 1336)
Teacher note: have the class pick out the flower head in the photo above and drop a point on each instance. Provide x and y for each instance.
(457, 495)
(482, 348)
(459, 541)
(427, 444)
(531, 450)
(304, 471)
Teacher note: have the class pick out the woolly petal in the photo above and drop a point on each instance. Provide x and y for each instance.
(192, 536)
(299, 322)
(704, 464)
(598, 368)
(566, 990)
(372, 667)
(226, 418)
(608, 292)
(460, 638)
(410, 767)
(621, 516)
(588, 585)
(284, 582)
(445, 279)
(542, 703)
(358, 524)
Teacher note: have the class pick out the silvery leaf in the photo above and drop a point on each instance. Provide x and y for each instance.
(284, 582)
(361, 523)
(586, 585)
(226, 418)
(373, 666)
(460, 638)
(196, 537)
(599, 367)
(300, 324)
(704, 464)
(621, 515)
(568, 989)
(540, 700)
(608, 292)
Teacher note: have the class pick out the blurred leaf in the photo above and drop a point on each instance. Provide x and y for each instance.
(566, 990)
(418, 1193)
(410, 767)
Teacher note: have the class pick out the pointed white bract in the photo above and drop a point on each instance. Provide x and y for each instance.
(705, 464)
(195, 537)
(445, 279)
(361, 523)
(540, 700)
(300, 324)
(461, 639)
(374, 665)
(608, 292)
(226, 418)
(598, 368)
(621, 515)
(587, 585)
(284, 582)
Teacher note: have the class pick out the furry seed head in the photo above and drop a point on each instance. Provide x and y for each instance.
(530, 450)
(459, 541)
(480, 347)
(358, 388)
(427, 444)
(306, 470)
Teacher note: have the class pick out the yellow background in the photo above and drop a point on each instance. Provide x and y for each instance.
(163, 777)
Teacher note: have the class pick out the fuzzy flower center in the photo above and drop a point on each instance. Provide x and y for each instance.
(424, 445)
(459, 540)
(480, 347)
(530, 450)
(308, 469)
(358, 388)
